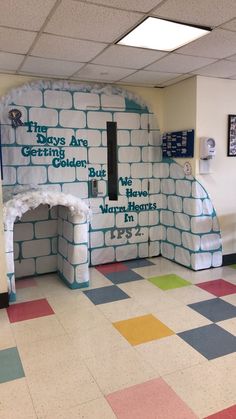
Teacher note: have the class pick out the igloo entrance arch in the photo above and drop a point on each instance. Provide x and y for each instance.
(65, 250)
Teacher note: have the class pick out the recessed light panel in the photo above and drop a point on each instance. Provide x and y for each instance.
(163, 35)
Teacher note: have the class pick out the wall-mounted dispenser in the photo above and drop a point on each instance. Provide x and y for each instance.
(207, 151)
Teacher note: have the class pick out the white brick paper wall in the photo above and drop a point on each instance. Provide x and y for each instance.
(182, 204)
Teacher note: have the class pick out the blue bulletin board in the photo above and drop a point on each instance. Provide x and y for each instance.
(178, 144)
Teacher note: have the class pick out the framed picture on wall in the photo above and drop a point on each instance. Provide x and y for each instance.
(231, 151)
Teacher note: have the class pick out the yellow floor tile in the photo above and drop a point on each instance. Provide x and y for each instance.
(142, 329)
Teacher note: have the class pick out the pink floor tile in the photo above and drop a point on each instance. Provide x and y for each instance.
(229, 413)
(112, 267)
(25, 283)
(29, 310)
(219, 287)
(153, 399)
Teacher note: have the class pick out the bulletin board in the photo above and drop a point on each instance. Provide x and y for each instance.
(178, 144)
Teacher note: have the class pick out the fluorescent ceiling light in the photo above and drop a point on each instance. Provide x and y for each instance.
(162, 35)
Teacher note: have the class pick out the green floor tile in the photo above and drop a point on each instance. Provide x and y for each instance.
(168, 282)
(10, 365)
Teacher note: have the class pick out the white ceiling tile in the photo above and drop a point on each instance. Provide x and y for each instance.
(25, 14)
(232, 58)
(199, 12)
(218, 44)
(10, 61)
(102, 73)
(89, 21)
(51, 46)
(230, 25)
(149, 77)
(43, 66)
(176, 80)
(136, 5)
(121, 56)
(221, 68)
(177, 63)
(14, 40)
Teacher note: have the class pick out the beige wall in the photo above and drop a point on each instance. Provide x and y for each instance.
(179, 109)
(216, 98)
(9, 81)
(204, 104)
(153, 98)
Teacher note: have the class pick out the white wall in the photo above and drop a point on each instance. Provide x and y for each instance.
(216, 98)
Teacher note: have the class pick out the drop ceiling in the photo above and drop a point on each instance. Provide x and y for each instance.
(76, 40)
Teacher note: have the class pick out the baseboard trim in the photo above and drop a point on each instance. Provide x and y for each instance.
(4, 300)
(229, 259)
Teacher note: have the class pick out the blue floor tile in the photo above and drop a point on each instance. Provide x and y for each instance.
(10, 365)
(211, 341)
(124, 276)
(106, 294)
(138, 263)
(215, 310)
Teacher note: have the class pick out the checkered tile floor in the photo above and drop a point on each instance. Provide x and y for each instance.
(148, 339)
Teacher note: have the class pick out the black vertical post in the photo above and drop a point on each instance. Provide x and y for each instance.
(112, 162)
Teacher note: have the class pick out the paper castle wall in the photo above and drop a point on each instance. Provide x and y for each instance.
(63, 144)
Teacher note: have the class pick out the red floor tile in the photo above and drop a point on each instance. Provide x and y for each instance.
(25, 283)
(152, 399)
(112, 267)
(219, 287)
(29, 310)
(229, 413)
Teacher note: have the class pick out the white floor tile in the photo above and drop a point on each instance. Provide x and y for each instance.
(73, 358)
(119, 369)
(189, 294)
(34, 330)
(229, 325)
(98, 341)
(29, 294)
(69, 302)
(62, 388)
(197, 277)
(7, 339)
(205, 388)
(230, 299)
(95, 409)
(81, 319)
(97, 279)
(48, 354)
(52, 284)
(169, 354)
(181, 318)
(148, 295)
(16, 402)
(122, 310)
